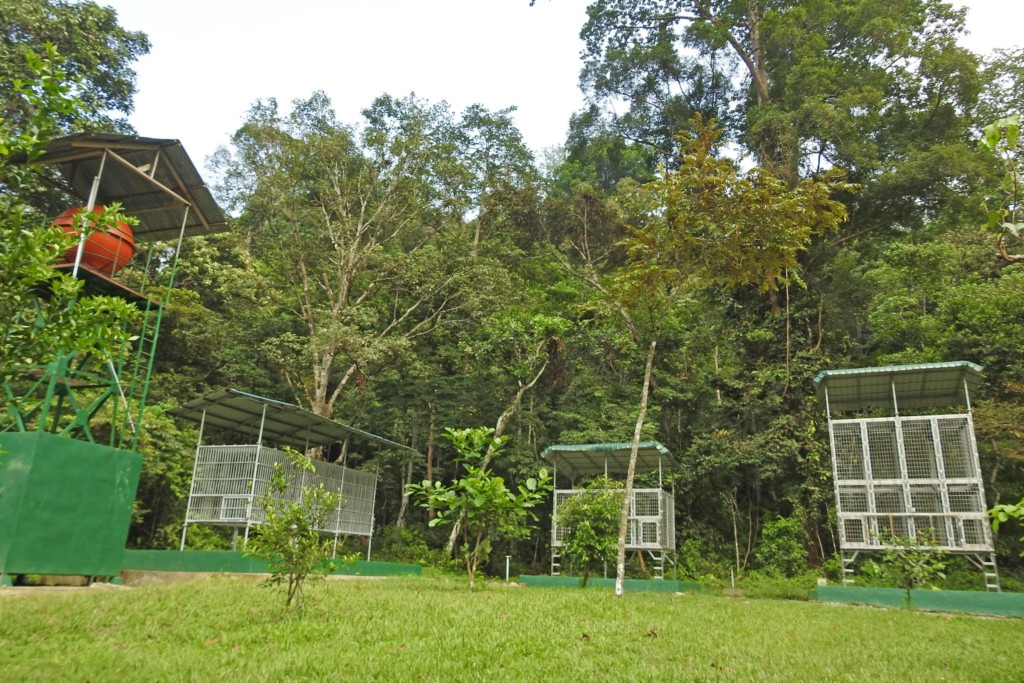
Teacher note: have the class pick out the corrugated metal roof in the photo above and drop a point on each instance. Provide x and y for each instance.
(926, 385)
(595, 458)
(154, 179)
(283, 423)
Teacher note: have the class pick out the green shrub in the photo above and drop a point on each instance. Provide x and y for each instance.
(780, 551)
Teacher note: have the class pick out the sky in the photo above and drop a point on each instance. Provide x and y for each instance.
(210, 60)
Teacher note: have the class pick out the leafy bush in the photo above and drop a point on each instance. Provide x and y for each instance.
(408, 545)
(696, 560)
(592, 522)
(288, 540)
(781, 552)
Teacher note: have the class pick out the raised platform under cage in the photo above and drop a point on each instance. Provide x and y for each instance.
(652, 530)
(230, 481)
(907, 477)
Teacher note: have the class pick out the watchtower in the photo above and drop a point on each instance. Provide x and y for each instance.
(70, 427)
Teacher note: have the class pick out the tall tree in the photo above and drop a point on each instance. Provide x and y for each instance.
(499, 166)
(708, 224)
(350, 232)
(851, 83)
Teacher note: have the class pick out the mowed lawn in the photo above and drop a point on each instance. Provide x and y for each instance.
(429, 629)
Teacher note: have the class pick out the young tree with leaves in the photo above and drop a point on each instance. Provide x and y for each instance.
(485, 508)
(591, 519)
(289, 538)
(705, 224)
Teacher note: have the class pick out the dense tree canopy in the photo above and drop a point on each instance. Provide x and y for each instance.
(98, 55)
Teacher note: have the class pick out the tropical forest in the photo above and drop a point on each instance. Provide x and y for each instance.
(754, 193)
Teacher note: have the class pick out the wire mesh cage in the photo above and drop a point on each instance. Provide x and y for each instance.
(231, 481)
(913, 477)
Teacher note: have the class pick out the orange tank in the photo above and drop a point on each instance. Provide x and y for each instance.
(107, 252)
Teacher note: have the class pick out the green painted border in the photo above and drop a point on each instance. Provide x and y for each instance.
(970, 602)
(652, 586)
(236, 563)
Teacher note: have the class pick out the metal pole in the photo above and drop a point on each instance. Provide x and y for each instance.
(252, 483)
(192, 486)
(93, 193)
(373, 504)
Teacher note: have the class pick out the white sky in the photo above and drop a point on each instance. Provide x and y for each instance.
(211, 59)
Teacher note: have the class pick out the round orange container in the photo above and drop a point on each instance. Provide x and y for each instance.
(107, 252)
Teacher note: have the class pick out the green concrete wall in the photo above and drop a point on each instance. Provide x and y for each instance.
(973, 602)
(65, 504)
(237, 563)
(656, 586)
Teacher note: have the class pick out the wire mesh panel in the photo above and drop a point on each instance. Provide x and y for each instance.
(956, 438)
(848, 450)
(914, 477)
(222, 486)
(883, 449)
(651, 519)
(230, 482)
(920, 450)
(358, 495)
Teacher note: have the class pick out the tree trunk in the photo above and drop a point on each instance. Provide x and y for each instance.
(620, 561)
(431, 513)
(403, 508)
(400, 521)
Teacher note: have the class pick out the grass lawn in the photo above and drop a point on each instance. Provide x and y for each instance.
(430, 629)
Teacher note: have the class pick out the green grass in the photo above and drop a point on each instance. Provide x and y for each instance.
(430, 629)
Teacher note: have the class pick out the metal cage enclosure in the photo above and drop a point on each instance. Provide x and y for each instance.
(913, 477)
(231, 480)
(652, 522)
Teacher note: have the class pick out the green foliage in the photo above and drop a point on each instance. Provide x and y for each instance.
(479, 501)
(98, 54)
(1006, 218)
(780, 550)
(288, 539)
(911, 562)
(1004, 512)
(41, 309)
(409, 545)
(728, 227)
(591, 519)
